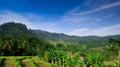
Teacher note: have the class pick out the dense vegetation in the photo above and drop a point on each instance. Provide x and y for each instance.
(60, 50)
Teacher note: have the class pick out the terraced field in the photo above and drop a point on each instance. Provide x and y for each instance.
(34, 61)
(22, 61)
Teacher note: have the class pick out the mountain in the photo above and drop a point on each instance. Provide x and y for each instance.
(90, 41)
(14, 29)
(60, 36)
(53, 36)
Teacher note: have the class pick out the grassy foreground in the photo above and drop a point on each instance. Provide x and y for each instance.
(31, 61)
(22, 61)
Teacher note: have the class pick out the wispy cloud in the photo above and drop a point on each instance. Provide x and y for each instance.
(33, 17)
(76, 16)
(75, 19)
(32, 21)
(85, 23)
(78, 31)
(7, 16)
(103, 7)
(103, 31)
(50, 27)
(108, 16)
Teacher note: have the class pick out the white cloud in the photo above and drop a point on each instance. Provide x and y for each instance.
(48, 27)
(76, 16)
(8, 16)
(74, 19)
(103, 7)
(102, 18)
(78, 31)
(78, 20)
(110, 30)
(103, 31)
(30, 20)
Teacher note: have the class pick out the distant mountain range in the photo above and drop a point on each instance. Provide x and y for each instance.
(65, 37)
(15, 29)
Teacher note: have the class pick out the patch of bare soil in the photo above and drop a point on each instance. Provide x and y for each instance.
(8, 63)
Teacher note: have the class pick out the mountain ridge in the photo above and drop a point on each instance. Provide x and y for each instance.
(13, 29)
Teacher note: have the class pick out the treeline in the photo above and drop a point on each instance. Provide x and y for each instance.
(22, 45)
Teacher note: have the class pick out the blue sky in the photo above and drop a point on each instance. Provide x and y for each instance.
(72, 17)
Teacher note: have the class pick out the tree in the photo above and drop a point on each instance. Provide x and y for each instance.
(60, 46)
(115, 47)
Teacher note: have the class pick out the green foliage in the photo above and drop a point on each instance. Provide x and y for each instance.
(1, 60)
(94, 60)
(17, 62)
(64, 59)
(13, 29)
(33, 64)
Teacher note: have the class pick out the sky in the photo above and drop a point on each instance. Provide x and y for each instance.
(72, 17)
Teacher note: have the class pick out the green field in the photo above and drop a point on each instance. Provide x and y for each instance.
(22, 61)
(35, 61)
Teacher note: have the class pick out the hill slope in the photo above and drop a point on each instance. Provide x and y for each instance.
(62, 38)
(12, 28)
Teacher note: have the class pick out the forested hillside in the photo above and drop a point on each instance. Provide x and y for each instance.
(16, 39)
(13, 29)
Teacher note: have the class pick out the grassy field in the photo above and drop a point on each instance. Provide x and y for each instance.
(22, 61)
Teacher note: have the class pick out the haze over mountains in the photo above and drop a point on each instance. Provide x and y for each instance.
(12, 28)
